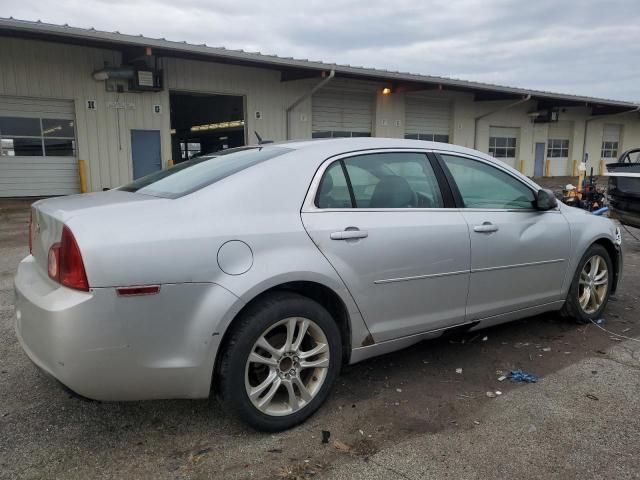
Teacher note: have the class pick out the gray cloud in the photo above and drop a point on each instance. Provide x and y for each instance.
(575, 46)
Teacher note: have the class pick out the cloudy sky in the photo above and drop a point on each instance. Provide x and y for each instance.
(584, 47)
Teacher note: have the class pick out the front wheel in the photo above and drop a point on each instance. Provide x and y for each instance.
(280, 361)
(591, 286)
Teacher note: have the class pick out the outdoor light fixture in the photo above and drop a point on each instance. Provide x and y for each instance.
(386, 91)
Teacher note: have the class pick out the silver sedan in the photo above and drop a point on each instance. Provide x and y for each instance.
(257, 273)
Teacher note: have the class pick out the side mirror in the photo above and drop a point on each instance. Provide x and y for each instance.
(545, 200)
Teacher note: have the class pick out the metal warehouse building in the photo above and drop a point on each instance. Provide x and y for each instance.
(87, 110)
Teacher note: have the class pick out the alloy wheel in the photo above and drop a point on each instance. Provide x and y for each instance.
(287, 366)
(593, 284)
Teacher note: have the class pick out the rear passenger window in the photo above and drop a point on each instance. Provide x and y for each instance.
(333, 191)
(393, 180)
(484, 186)
(381, 180)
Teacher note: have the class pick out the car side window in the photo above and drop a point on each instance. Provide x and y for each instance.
(393, 180)
(484, 186)
(333, 191)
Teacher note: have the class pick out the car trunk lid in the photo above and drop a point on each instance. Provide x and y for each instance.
(49, 216)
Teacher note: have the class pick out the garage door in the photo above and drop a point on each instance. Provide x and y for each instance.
(427, 119)
(611, 141)
(37, 148)
(342, 113)
(558, 147)
(503, 144)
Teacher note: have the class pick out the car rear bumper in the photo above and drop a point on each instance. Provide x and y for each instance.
(106, 347)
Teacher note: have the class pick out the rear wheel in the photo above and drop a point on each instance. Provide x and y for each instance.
(280, 361)
(591, 286)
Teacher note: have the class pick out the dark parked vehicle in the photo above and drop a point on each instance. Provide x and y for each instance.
(624, 188)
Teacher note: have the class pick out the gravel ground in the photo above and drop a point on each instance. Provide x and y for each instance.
(404, 415)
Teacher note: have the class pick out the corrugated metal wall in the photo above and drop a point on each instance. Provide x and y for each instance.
(40, 70)
(47, 70)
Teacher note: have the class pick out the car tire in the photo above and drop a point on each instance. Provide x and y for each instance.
(590, 285)
(241, 380)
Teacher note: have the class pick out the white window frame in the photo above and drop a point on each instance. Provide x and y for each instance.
(609, 149)
(42, 137)
(558, 145)
(494, 148)
(185, 146)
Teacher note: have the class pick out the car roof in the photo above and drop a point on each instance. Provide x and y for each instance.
(336, 146)
(329, 147)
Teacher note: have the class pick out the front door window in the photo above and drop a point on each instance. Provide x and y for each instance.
(484, 186)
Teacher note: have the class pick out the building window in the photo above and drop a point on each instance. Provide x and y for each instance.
(191, 148)
(611, 134)
(609, 150)
(557, 148)
(339, 134)
(502, 147)
(37, 137)
(432, 137)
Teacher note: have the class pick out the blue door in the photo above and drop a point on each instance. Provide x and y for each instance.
(145, 152)
(538, 166)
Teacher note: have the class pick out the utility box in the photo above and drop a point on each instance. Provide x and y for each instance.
(146, 80)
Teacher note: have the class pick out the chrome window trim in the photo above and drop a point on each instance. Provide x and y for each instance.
(309, 205)
(462, 272)
(518, 265)
(510, 210)
(523, 179)
(378, 210)
(420, 277)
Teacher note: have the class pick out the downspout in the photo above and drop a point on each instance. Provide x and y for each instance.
(586, 126)
(321, 84)
(505, 107)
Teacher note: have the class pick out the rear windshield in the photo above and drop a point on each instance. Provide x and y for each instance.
(194, 174)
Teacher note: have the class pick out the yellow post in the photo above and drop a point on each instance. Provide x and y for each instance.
(582, 169)
(170, 163)
(601, 167)
(82, 172)
(574, 169)
(580, 180)
(547, 168)
(522, 166)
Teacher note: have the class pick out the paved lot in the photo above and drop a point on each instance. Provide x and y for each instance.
(405, 415)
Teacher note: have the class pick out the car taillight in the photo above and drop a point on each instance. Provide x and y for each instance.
(65, 262)
(31, 232)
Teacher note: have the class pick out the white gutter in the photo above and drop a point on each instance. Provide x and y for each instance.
(501, 109)
(317, 87)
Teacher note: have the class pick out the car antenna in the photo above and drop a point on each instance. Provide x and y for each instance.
(260, 140)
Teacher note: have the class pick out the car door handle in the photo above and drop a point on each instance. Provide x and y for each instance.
(349, 234)
(486, 227)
